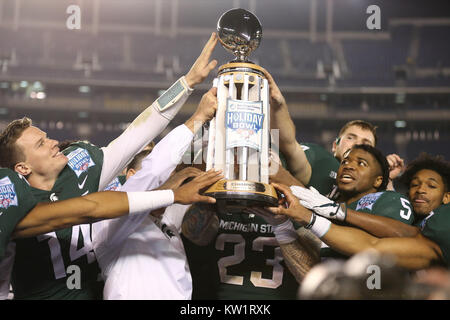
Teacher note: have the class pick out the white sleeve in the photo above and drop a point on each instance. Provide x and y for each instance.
(159, 164)
(173, 216)
(148, 125)
(156, 168)
(6, 265)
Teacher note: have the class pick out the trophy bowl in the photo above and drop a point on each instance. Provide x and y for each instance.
(239, 136)
(240, 32)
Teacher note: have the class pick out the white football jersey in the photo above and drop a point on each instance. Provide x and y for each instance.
(142, 257)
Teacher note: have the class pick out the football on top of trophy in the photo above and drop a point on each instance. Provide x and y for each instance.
(240, 32)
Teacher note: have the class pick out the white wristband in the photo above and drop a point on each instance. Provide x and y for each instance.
(285, 232)
(321, 226)
(139, 202)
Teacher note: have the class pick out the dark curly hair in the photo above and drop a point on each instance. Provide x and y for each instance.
(430, 162)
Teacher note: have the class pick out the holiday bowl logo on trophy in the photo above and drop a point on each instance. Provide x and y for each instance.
(239, 134)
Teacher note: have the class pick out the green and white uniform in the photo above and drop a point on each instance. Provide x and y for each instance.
(436, 227)
(324, 168)
(41, 269)
(243, 262)
(16, 200)
(389, 204)
(45, 265)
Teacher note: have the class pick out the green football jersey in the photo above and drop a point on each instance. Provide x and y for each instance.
(243, 262)
(16, 201)
(324, 167)
(436, 227)
(389, 204)
(50, 266)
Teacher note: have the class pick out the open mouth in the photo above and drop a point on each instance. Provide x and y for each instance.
(346, 178)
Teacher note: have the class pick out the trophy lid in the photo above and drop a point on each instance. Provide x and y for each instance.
(240, 32)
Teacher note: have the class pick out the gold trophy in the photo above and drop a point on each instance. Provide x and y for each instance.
(238, 141)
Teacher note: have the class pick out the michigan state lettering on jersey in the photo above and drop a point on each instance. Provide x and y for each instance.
(16, 201)
(243, 262)
(388, 204)
(61, 264)
(436, 228)
(324, 167)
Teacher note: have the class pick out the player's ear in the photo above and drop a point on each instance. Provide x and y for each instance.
(378, 181)
(335, 144)
(22, 168)
(446, 198)
(130, 172)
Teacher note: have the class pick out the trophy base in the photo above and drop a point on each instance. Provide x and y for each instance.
(235, 195)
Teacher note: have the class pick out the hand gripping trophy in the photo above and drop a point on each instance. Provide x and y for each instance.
(239, 134)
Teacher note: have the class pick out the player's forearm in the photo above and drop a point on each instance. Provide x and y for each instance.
(298, 164)
(281, 119)
(299, 258)
(348, 240)
(299, 248)
(61, 214)
(379, 226)
(200, 226)
(147, 126)
(90, 208)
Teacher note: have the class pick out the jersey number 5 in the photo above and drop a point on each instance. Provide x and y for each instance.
(405, 214)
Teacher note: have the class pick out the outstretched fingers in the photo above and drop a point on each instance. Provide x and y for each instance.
(290, 198)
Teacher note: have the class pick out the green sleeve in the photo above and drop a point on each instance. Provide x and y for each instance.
(324, 167)
(388, 204)
(437, 229)
(16, 201)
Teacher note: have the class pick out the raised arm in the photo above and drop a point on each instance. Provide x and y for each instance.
(152, 121)
(280, 119)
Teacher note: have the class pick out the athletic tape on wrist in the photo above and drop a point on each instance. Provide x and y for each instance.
(139, 202)
(169, 103)
(285, 232)
(320, 226)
